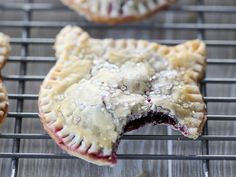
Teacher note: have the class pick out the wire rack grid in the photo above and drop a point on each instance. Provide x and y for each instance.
(23, 43)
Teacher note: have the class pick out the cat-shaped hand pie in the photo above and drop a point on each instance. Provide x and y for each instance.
(99, 89)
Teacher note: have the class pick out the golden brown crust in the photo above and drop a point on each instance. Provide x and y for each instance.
(200, 48)
(3, 103)
(62, 146)
(4, 53)
(4, 49)
(114, 20)
(71, 46)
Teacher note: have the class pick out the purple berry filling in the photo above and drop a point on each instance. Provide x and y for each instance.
(109, 9)
(155, 118)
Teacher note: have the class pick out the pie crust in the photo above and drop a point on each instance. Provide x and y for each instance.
(4, 53)
(117, 11)
(99, 89)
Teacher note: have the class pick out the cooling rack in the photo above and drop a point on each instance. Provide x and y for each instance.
(213, 86)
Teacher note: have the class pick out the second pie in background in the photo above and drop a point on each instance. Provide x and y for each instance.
(117, 11)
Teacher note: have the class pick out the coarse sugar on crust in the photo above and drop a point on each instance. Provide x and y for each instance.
(100, 88)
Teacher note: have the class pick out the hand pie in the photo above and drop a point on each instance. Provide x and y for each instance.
(4, 52)
(117, 11)
(99, 89)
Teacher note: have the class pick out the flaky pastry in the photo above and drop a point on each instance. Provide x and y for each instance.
(117, 11)
(102, 88)
(4, 53)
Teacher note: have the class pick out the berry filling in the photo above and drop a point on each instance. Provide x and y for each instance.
(155, 118)
(134, 123)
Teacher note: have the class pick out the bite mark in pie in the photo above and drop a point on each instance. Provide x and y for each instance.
(117, 11)
(4, 53)
(99, 89)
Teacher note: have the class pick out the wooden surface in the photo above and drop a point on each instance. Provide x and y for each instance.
(124, 168)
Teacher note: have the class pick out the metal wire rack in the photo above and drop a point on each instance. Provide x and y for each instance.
(23, 58)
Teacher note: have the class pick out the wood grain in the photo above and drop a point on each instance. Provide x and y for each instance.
(124, 168)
